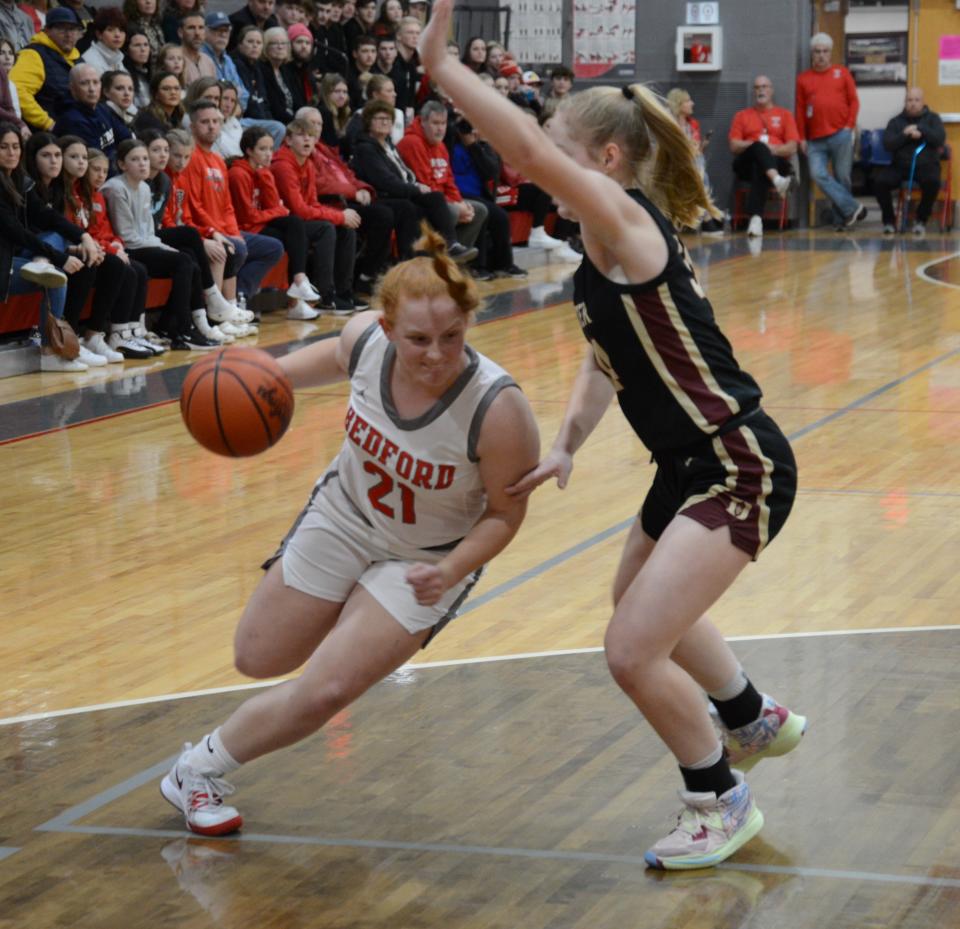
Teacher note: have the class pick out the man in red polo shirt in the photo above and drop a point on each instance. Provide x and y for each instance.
(763, 137)
(827, 108)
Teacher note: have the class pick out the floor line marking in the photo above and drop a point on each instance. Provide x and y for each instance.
(878, 493)
(509, 852)
(872, 395)
(450, 663)
(67, 818)
(922, 271)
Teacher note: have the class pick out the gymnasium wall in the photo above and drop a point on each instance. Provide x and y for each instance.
(758, 37)
(929, 20)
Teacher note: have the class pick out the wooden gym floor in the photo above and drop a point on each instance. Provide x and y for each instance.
(501, 780)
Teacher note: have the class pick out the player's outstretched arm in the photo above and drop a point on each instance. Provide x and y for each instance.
(589, 400)
(328, 360)
(607, 214)
(508, 447)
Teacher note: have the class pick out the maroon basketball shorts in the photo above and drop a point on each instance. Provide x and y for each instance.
(744, 479)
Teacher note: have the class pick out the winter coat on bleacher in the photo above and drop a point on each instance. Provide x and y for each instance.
(42, 76)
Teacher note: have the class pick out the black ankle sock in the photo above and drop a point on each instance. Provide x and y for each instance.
(717, 778)
(742, 709)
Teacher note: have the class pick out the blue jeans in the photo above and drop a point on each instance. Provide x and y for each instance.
(838, 150)
(54, 298)
(256, 255)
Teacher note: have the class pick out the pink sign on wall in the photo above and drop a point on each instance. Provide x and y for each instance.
(949, 59)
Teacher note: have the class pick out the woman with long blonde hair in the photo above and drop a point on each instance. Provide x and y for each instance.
(726, 477)
(394, 534)
(681, 105)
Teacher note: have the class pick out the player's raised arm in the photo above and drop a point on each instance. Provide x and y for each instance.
(616, 231)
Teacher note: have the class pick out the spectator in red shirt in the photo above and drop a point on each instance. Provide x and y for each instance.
(339, 187)
(257, 204)
(297, 182)
(827, 107)
(763, 138)
(208, 195)
(425, 154)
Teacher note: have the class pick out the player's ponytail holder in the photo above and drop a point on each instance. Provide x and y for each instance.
(628, 91)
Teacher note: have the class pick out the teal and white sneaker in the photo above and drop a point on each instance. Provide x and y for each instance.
(775, 732)
(709, 829)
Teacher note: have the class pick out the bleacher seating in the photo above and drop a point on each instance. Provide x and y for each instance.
(23, 312)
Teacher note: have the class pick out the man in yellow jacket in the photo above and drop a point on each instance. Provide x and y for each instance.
(42, 71)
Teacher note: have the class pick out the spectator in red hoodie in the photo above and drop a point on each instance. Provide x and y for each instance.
(339, 187)
(208, 196)
(219, 261)
(425, 154)
(257, 204)
(827, 108)
(297, 183)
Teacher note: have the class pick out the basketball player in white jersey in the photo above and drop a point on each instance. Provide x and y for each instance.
(396, 530)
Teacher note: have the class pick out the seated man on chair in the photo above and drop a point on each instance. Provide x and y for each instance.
(917, 125)
(763, 138)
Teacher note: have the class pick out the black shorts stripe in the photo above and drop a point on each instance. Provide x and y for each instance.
(745, 479)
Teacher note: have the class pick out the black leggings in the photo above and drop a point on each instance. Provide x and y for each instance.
(433, 208)
(377, 224)
(186, 239)
(311, 246)
(496, 251)
(532, 199)
(186, 293)
(119, 294)
(405, 219)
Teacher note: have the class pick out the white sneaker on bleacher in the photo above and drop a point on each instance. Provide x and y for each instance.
(56, 363)
(91, 359)
(96, 343)
(540, 239)
(302, 310)
(565, 253)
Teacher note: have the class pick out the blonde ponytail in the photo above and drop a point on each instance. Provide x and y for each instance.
(663, 158)
(432, 273)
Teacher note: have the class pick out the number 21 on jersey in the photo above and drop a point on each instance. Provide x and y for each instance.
(383, 488)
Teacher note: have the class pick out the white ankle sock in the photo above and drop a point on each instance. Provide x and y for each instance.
(733, 688)
(209, 756)
(709, 761)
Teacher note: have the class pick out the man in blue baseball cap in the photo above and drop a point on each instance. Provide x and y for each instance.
(42, 71)
(218, 37)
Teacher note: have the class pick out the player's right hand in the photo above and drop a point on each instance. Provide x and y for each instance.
(556, 464)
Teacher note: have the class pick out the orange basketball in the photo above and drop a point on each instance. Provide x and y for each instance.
(236, 401)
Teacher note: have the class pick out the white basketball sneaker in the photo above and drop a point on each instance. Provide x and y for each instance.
(200, 798)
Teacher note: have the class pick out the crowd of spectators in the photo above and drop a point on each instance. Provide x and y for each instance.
(214, 144)
(157, 140)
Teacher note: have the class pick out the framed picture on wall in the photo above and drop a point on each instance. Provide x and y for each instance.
(877, 57)
(699, 48)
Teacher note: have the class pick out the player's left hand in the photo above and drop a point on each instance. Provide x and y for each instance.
(428, 583)
(433, 40)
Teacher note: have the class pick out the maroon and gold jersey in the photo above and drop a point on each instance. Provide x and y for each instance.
(676, 378)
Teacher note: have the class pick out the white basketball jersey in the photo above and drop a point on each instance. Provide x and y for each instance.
(415, 481)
